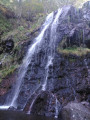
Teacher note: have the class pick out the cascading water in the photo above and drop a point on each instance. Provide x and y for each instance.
(51, 24)
(27, 60)
(52, 53)
(47, 70)
(56, 108)
(52, 47)
(29, 55)
(57, 105)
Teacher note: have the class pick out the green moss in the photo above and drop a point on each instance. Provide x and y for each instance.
(79, 51)
(9, 64)
(7, 71)
(38, 21)
(21, 28)
(19, 35)
(71, 60)
(5, 25)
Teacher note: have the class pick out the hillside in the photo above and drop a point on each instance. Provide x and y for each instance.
(14, 33)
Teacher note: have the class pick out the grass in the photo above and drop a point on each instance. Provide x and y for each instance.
(18, 33)
(79, 51)
(7, 71)
(5, 25)
(19, 30)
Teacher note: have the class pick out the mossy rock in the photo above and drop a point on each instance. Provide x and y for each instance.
(78, 51)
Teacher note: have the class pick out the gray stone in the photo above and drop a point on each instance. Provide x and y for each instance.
(75, 111)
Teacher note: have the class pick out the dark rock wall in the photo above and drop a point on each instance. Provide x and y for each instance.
(73, 78)
(68, 80)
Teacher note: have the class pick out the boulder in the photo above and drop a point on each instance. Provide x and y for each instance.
(75, 111)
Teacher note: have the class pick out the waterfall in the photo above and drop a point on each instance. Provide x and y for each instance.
(27, 60)
(33, 101)
(57, 105)
(56, 108)
(29, 55)
(50, 62)
(51, 24)
(52, 47)
(50, 58)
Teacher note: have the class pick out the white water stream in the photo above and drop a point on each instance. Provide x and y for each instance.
(31, 51)
(29, 55)
(52, 46)
(27, 60)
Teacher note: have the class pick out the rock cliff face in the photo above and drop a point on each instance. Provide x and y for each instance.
(69, 77)
(71, 82)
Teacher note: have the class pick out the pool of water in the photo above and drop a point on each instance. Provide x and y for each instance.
(15, 115)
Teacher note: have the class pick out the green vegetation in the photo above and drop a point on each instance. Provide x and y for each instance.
(79, 51)
(18, 28)
(5, 25)
(8, 65)
(32, 7)
(7, 71)
(19, 34)
(72, 60)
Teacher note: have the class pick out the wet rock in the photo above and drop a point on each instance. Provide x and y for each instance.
(6, 86)
(86, 104)
(74, 29)
(8, 45)
(2, 91)
(71, 78)
(45, 104)
(87, 42)
(12, 108)
(75, 111)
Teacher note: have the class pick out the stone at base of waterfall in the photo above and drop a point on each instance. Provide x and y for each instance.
(12, 108)
(76, 111)
(45, 105)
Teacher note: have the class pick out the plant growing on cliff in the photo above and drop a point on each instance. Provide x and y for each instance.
(7, 71)
(79, 51)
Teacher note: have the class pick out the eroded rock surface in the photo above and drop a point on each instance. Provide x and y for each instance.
(75, 111)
